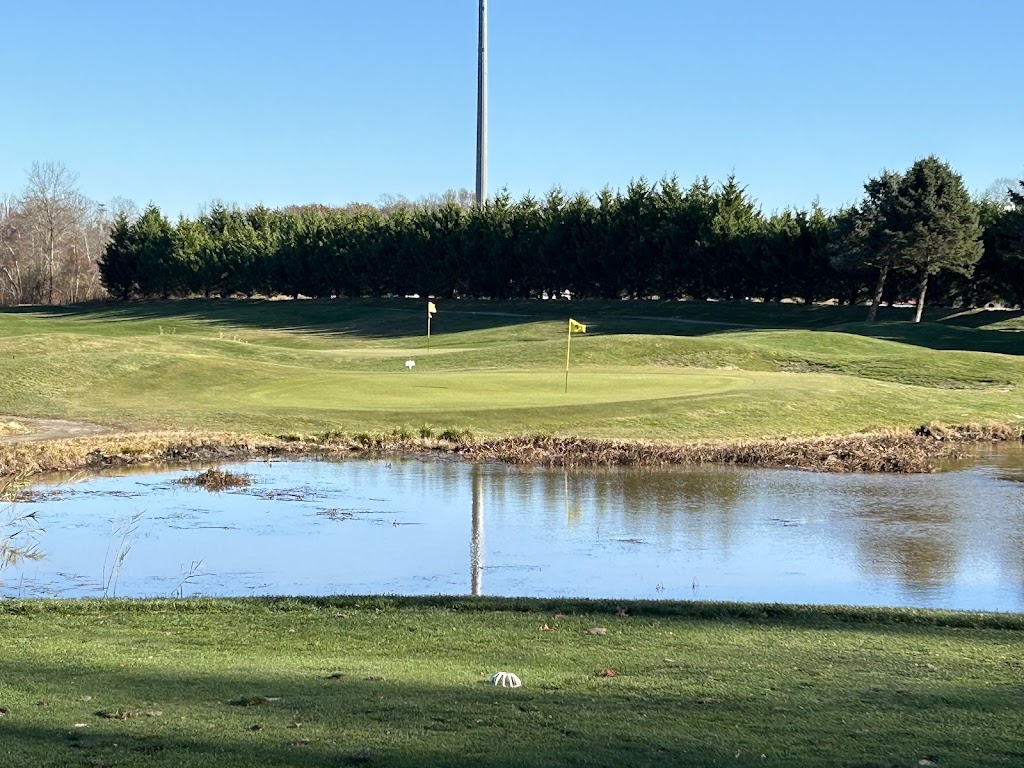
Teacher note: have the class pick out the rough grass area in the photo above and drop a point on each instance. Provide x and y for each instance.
(13, 428)
(670, 372)
(401, 682)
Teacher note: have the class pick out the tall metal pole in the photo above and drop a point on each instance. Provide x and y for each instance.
(481, 110)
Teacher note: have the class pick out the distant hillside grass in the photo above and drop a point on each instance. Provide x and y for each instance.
(667, 371)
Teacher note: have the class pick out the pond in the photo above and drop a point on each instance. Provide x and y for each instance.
(949, 540)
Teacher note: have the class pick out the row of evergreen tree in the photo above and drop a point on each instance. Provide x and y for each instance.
(661, 239)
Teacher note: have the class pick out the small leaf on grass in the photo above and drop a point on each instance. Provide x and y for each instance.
(597, 631)
(337, 676)
(707, 701)
(376, 678)
(546, 628)
(300, 742)
(256, 728)
(3, 711)
(609, 672)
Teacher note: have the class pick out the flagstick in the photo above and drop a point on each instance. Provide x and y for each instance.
(428, 330)
(568, 345)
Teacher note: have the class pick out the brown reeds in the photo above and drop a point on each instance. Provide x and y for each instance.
(905, 451)
(884, 452)
(217, 480)
(125, 450)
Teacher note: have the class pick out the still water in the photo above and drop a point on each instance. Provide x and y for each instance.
(950, 540)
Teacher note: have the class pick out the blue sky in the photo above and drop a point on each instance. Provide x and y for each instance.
(184, 102)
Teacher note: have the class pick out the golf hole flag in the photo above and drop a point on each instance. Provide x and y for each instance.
(574, 327)
(431, 311)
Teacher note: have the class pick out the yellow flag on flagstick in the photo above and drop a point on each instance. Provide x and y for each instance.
(431, 309)
(574, 327)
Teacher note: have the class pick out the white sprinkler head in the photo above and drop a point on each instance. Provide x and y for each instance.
(505, 680)
(410, 364)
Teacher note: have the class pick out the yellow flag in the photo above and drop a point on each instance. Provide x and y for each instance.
(431, 309)
(575, 327)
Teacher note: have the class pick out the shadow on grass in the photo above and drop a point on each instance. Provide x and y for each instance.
(378, 319)
(310, 717)
(770, 614)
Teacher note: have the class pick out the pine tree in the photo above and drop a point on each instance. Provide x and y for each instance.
(936, 223)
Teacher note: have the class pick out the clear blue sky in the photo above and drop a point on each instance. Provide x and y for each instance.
(334, 101)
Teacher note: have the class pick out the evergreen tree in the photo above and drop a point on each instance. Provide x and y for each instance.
(936, 222)
(154, 247)
(119, 265)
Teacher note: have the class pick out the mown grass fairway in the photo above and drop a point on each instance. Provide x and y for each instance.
(386, 682)
(674, 372)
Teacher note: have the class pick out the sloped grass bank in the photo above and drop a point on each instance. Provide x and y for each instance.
(401, 682)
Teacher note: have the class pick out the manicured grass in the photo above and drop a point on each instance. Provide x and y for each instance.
(667, 371)
(401, 682)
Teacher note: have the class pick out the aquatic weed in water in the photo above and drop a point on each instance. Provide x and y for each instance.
(217, 480)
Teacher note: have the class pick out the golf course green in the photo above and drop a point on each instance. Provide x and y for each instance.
(644, 370)
(387, 681)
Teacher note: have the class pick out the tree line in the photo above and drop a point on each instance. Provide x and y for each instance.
(913, 234)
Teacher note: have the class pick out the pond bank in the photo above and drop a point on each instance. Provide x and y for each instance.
(892, 451)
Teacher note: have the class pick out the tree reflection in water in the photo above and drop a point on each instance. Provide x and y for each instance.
(952, 539)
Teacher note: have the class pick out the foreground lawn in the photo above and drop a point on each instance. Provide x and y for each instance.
(400, 682)
(672, 371)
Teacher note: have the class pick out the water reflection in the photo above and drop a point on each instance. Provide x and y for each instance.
(949, 540)
(476, 541)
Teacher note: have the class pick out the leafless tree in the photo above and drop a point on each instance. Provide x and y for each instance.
(51, 240)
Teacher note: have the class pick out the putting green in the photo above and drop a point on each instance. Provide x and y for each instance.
(472, 390)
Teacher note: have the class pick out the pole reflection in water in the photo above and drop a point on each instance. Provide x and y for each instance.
(476, 541)
(948, 540)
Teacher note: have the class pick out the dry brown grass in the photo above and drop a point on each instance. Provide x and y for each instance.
(136, 450)
(972, 433)
(13, 428)
(917, 450)
(215, 479)
(884, 452)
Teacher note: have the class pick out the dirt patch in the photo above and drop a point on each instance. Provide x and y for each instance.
(30, 430)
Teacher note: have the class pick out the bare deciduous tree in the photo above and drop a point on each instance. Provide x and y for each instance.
(51, 240)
